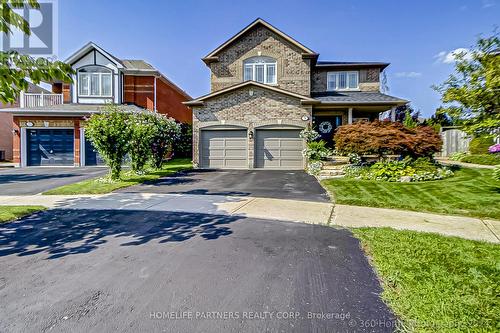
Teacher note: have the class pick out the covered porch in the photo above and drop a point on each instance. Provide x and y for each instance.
(334, 110)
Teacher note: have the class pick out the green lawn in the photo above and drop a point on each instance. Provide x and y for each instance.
(98, 186)
(471, 192)
(435, 283)
(9, 213)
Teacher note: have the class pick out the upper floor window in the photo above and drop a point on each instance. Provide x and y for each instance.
(94, 81)
(260, 69)
(342, 80)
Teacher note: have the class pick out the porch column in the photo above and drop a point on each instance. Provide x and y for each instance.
(349, 116)
(393, 114)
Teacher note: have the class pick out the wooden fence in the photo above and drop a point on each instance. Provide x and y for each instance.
(454, 141)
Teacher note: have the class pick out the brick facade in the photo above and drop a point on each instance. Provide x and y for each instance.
(249, 108)
(369, 79)
(139, 90)
(293, 72)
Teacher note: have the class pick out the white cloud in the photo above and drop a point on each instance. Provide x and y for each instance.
(488, 3)
(408, 74)
(449, 57)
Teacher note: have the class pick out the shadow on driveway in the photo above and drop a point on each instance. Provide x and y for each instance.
(65, 232)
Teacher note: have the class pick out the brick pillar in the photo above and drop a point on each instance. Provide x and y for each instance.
(77, 143)
(16, 142)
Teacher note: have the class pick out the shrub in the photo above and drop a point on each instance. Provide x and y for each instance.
(485, 159)
(141, 140)
(184, 146)
(110, 134)
(165, 132)
(480, 145)
(457, 156)
(309, 135)
(317, 151)
(408, 169)
(496, 172)
(314, 167)
(384, 138)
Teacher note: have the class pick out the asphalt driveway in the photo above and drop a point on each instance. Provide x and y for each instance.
(145, 271)
(22, 181)
(278, 184)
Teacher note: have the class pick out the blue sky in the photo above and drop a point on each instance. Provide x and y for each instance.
(414, 36)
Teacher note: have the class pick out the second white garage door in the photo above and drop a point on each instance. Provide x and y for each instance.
(279, 149)
(224, 149)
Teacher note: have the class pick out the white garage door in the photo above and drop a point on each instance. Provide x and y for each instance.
(224, 149)
(279, 149)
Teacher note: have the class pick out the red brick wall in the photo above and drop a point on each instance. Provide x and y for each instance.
(139, 90)
(169, 101)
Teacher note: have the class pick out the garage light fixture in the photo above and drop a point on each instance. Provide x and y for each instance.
(250, 134)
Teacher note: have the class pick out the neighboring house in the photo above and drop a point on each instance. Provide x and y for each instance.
(265, 88)
(6, 125)
(49, 129)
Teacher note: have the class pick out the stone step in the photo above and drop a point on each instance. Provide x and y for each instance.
(333, 166)
(331, 173)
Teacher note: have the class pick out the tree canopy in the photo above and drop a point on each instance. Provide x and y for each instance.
(472, 94)
(16, 69)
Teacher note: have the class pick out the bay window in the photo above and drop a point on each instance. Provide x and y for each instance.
(342, 81)
(94, 81)
(260, 69)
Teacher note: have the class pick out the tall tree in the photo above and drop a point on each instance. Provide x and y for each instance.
(16, 69)
(472, 93)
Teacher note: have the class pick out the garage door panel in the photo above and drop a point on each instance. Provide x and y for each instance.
(50, 147)
(279, 149)
(224, 149)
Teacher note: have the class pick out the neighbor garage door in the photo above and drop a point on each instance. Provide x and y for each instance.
(225, 149)
(279, 149)
(49, 147)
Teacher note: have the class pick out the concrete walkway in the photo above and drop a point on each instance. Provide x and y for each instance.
(266, 208)
(465, 227)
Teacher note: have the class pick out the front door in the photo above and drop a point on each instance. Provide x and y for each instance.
(326, 126)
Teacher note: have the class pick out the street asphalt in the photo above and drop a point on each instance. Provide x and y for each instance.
(278, 184)
(147, 271)
(34, 180)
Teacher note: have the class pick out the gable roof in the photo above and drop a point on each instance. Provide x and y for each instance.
(87, 48)
(199, 100)
(212, 56)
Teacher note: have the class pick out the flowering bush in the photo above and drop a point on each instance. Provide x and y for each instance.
(355, 159)
(309, 135)
(314, 167)
(495, 149)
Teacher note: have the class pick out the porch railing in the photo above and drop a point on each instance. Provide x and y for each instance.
(31, 100)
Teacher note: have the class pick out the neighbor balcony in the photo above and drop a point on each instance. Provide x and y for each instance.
(35, 100)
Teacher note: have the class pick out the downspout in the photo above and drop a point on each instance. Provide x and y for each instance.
(155, 96)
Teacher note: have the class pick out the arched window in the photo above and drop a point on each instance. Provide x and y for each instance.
(94, 81)
(260, 69)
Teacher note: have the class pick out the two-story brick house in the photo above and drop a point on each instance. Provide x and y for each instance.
(265, 88)
(49, 129)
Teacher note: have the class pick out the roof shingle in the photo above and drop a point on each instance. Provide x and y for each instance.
(357, 97)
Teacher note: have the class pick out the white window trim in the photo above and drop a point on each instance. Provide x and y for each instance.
(89, 74)
(254, 71)
(329, 88)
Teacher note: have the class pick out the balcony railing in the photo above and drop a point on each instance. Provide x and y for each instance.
(30, 100)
